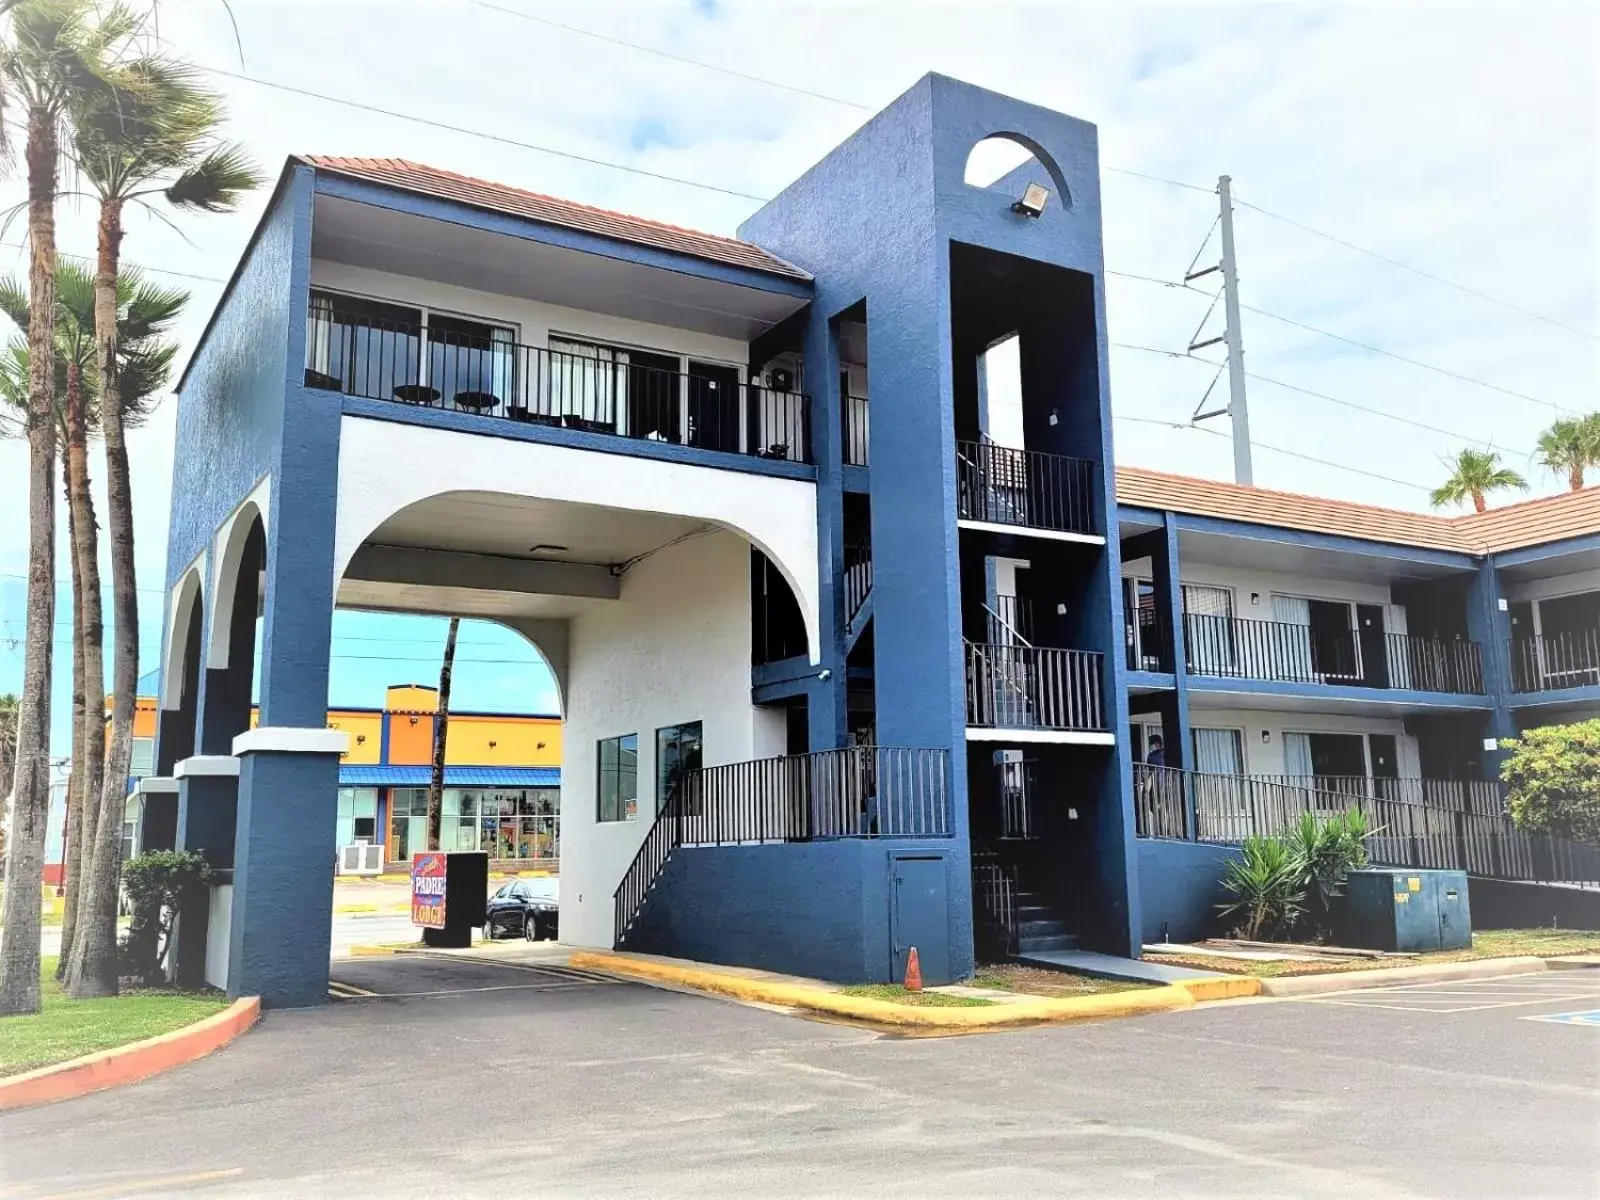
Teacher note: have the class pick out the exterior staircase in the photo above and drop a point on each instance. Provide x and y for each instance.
(1039, 927)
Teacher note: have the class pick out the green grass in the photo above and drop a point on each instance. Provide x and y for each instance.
(1490, 943)
(1039, 981)
(66, 1029)
(896, 994)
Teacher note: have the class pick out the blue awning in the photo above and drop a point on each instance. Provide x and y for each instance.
(356, 775)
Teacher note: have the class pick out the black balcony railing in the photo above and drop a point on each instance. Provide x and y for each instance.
(1423, 823)
(1033, 687)
(857, 430)
(1291, 653)
(1028, 488)
(1556, 661)
(1147, 635)
(855, 792)
(857, 577)
(1010, 621)
(603, 392)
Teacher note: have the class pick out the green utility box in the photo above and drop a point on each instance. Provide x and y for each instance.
(1406, 910)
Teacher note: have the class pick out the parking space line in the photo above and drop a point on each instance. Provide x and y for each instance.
(469, 991)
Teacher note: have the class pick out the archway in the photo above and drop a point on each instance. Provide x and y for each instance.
(1007, 162)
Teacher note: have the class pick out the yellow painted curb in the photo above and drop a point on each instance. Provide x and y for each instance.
(371, 951)
(130, 1063)
(1226, 987)
(1034, 1011)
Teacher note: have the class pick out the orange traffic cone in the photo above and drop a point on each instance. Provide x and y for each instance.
(913, 972)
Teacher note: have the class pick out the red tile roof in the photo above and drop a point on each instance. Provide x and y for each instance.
(498, 197)
(1530, 523)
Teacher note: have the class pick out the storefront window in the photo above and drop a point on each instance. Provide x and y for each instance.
(358, 816)
(509, 823)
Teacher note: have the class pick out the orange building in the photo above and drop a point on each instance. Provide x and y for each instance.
(502, 779)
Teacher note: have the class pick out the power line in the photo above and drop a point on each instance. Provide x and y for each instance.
(141, 266)
(1394, 262)
(1367, 346)
(1415, 362)
(1326, 462)
(667, 54)
(478, 133)
(793, 89)
(1294, 387)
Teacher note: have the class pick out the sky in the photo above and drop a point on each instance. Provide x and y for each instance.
(1458, 140)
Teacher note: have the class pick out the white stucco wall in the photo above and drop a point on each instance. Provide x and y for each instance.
(218, 931)
(1244, 582)
(1266, 758)
(533, 321)
(385, 466)
(1555, 585)
(674, 648)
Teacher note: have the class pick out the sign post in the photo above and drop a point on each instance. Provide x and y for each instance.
(449, 891)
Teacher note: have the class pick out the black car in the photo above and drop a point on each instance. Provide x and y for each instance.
(530, 907)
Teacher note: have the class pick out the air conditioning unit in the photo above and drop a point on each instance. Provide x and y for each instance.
(362, 858)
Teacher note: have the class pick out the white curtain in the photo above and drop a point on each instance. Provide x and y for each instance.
(1208, 630)
(1290, 647)
(1297, 754)
(1217, 752)
(1398, 653)
(588, 381)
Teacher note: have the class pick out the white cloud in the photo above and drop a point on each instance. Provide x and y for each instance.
(1460, 139)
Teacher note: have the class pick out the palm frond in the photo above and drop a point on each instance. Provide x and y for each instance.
(215, 183)
(14, 301)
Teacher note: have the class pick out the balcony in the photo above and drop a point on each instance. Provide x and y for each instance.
(604, 391)
(1026, 489)
(1285, 652)
(1556, 661)
(1431, 824)
(1036, 689)
(858, 792)
(856, 430)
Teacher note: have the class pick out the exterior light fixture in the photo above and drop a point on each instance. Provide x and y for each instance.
(1034, 198)
(1255, 597)
(492, 745)
(1266, 735)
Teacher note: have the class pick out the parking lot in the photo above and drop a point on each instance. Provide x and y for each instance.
(505, 1073)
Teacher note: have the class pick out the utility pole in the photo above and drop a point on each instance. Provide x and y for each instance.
(1237, 408)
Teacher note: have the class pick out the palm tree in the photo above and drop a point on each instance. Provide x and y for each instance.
(74, 359)
(1570, 446)
(55, 51)
(441, 726)
(159, 140)
(1473, 475)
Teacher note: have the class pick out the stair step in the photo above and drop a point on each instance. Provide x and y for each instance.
(1050, 927)
(1035, 912)
(1055, 941)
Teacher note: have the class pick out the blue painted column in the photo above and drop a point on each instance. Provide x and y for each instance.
(283, 875)
(827, 700)
(1489, 625)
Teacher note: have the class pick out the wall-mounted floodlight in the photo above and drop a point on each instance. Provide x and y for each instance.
(1034, 198)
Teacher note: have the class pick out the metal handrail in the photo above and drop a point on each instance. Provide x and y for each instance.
(1435, 827)
(1287, 652)
(1553, 661)
(378, 359)
(1006, 486)
(1033, 687)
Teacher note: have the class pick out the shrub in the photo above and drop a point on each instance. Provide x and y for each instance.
(157, 883)
(1552, 778)
(1268, 889)
(1326, 851)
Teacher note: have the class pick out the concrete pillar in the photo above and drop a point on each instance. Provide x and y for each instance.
(283, 865)
(1489, 625)
(208, 787)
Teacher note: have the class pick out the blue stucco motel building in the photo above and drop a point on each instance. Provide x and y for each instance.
(857, 648)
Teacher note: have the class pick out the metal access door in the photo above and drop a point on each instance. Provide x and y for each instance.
(919, 915)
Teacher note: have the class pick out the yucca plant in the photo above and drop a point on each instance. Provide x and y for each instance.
(1267, 884)
(1325, 852)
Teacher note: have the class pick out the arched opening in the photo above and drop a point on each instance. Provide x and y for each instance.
(1008, 162)
(233, 646)
(180, 675)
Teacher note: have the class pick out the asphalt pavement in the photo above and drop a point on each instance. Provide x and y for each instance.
(513, 1076)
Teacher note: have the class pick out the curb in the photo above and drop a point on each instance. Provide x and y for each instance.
(1344, 981)
(130, 1063)
(1222, 987)
(1039, 1011)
